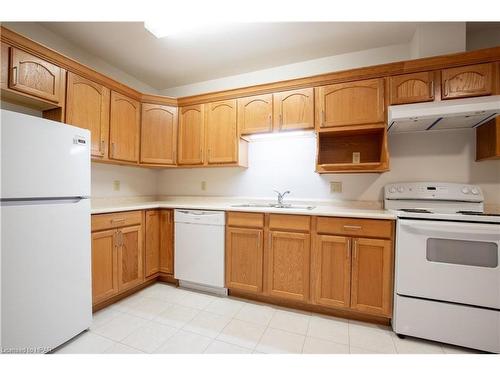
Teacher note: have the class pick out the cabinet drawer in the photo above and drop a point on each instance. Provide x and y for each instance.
(290, 222)
(355, 227)
(116, 220)
(245, 219)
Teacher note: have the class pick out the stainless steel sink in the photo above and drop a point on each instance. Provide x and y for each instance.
(274, 205)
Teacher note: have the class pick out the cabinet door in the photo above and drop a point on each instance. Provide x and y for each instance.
(294, 109)
(130, 266)
(351, 103)
(158, 134)
(331, 271)
(191, 135)
(255, 114)
(124, 128)
(412, 88)
(166, 242)
(464, 81)
(87, 106)
(152, 242)
(244, 256)
(371, 282)
(222, 133)
(104, 265)
(34, 76)
(288, 265)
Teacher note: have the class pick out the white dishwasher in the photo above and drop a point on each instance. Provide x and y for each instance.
(199, 250)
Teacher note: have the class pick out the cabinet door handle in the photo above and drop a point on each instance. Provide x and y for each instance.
(270, 121)
(322, 117)
(14, 76)
(113, 149)
(355, 247)
(117, 220)
(281, 120)
(431, 93)
(120, 235)
(102, 146)
(445, 88)
(352, 227)
(348, 252)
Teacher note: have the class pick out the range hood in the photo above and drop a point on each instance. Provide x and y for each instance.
(445, 114)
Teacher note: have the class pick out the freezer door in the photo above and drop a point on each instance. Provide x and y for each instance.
(45, 273)
(42, 158)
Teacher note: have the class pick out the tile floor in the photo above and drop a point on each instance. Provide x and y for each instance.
(165, 319)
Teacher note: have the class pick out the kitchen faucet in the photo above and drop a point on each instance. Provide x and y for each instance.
(281, 196)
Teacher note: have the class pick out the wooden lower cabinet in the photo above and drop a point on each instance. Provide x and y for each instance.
(104, 261)
(371, 278)
(166, 242)
(288, 265)
(244, 259)
(130, 266)
(152, 243)
(331, 271)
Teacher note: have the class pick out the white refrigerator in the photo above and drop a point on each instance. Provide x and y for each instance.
(46, 288)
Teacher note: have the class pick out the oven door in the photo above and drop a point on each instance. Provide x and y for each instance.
(449, 261)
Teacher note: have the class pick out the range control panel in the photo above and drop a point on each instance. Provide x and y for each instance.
(433, 191)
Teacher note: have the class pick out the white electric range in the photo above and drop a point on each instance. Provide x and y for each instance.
(447, 281)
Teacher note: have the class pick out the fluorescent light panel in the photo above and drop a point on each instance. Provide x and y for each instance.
(168, 28)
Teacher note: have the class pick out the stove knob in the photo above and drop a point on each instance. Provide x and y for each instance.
(474, 191)
(392, 189)
(401, 189)
(465, 190)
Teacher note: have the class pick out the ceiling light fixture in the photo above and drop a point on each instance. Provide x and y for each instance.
(168, 28)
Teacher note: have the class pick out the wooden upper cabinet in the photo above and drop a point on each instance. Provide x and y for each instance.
(191, 135)
(124, 128)
(288, 265)
(255, 114)
(350, 103)
(331, 271)
(104, 265)
(371, 279)
(130, 257)
(244, 259)
(166, 241)
(158, 134)
(222, 132)
(465, 81)
(294, 109)
(412, 88)
(34, 76)
(152, 242)
(87, 106)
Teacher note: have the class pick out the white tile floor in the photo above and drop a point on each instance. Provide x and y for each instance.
(165, 319)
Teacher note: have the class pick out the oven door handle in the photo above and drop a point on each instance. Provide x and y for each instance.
(491, 231)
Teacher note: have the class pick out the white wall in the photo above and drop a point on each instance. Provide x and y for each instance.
(52, 40)
(288, 163)
(438, 38)
(486, 38)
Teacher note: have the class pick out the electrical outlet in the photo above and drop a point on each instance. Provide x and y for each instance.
(335, 187)
(203, 185)
(116, 185)
(356, 157)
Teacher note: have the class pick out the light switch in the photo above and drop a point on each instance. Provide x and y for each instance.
(335, 187)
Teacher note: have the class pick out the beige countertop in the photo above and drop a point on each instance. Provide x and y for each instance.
(358, 209)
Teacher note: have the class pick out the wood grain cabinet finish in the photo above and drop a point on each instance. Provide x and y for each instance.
(331, 271)
(167, 242)
(191, 135)
(466, 81)
(221, 132)
(294, 110)
(130, 257)
(350, 103)
(288, 263)
(371, 278)
(124, 128)
(255, 114)
(412, 88)
(34, 76)
(87, 106)
(244, 259)
(158, 134)
(152, 242)
(104, 265)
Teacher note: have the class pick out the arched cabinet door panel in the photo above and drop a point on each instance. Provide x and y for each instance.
(466, 81)
(294, 110)
(124, 128)
(350, 103)
(222, 132)
(191, 135)
(412, 88)
(255, 114)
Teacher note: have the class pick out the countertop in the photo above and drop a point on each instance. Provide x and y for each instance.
(357, 209)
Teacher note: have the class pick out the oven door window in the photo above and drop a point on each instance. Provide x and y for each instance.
(467, 253)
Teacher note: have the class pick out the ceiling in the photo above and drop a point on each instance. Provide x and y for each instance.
(232, 49)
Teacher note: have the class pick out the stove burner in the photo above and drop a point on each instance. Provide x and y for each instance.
(477, 213)
(416, 210)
